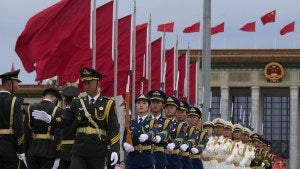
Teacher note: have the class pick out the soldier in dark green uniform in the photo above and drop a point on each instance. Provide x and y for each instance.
(68, 132)
(41, 140)
(97, 125)
(11, 122)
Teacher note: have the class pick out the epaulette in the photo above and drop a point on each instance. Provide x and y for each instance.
(109, 98)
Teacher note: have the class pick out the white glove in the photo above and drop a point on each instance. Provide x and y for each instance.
(229, 160)
(128, 147)
(22, 158)
(184, 147)
(157, 139)
(56, 163)
(41, 115)
(209, 149)
(114, 158)
(262, 164)
(222, 149)
(242, 163)
(194, 151)
(171, 146)
(143, 137)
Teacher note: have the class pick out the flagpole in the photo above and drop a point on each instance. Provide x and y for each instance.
(149, 55)
(94, 35)
(133, 57)
(176, 69)
(162, 84)
(188, 73)
(116, 50)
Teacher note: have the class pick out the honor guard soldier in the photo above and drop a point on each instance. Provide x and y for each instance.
(199, 137)
(158, 98)
(177, 134)
(69, 132)
(97, 125)
(11, 122)
(208, 153)
(43, 141)
(140, 155)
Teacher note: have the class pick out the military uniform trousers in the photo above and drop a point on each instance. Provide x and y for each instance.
(174, 161)
(186, 162)
(197, 164)
(8, 153)
(140, 160)
(38, 162)
(65, 156)
(161, 160)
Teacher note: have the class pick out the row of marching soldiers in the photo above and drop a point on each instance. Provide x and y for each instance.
(165, 134)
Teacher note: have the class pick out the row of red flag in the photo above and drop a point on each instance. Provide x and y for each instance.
(56, 42)
(248, 27)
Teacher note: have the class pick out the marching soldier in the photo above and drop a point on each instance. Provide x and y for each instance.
(11, 122)
(199, 137)
(177, 131)
(208, 152)
(69, 132)
(158, 98)
(43, 141)
(97, 125)
(140, 155)
(256, 163)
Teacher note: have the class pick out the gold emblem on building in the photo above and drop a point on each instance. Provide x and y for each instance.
(274, 72)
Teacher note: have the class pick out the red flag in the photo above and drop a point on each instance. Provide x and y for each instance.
(156, 63)
(167, 27)
(269, 17)
(104, 62)
(141, 43)
(288, 28)
(193, 28)
(124, 31)
(217, 29)
(193, 83)
(248, 27)
(170, 72)
(182, 66)
(37, 41)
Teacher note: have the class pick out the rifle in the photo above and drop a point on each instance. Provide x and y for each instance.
(127, 118)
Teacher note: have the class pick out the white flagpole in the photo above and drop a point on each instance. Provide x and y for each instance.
(241, 109)
(133, 47)
(116, 50)
(176, 77)
(143, 76)
(149, 55)
(162, 85)
(176, 84)
(94, 12)
(188, 74)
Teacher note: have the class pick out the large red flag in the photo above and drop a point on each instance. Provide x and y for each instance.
(124, 30)
(141, 44)
(193, 28)
(37, 41)
(104, 62)
(248, 27)
(182, 66)
(156, 63)
(288, 28)
(217, 29)
(170, 72)
(167, 27)
(268, 17)
(193, 82)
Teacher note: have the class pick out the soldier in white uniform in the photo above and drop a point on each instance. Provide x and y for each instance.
(208, 152)
(241, 153)
(227, 133)
(219, 148)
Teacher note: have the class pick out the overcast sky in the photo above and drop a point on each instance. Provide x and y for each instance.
(235, 13)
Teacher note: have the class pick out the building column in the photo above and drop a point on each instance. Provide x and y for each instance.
(256, 117)
(294, 153)
(224, 103)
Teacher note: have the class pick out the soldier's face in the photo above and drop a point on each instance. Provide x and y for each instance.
(91, 87)
(156, 106)
(245, 137)
(193, 120)
(237, 135)
(142, 106)
(170, 110)
(227, 132)
(218, 130)
(209, 130)
(181, 115)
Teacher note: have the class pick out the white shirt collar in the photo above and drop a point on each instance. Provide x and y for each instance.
(143, 117)
(5, 91)
(95, 98)
(157, 117)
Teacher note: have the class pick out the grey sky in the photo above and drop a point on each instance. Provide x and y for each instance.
(15, 13)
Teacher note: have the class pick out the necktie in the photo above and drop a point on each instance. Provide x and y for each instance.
(140, 120)
(92, 101)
